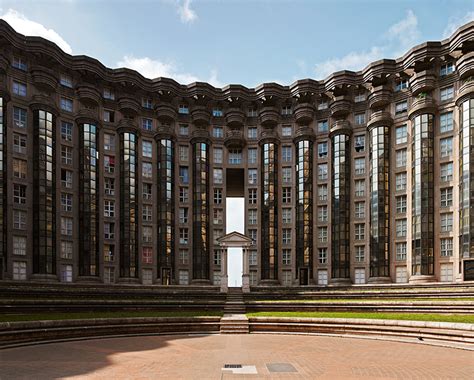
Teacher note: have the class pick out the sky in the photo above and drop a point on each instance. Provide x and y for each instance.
(237, 41)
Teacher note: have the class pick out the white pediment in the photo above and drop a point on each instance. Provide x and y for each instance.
(234, 239)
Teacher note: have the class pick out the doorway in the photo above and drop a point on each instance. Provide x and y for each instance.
(235, 214)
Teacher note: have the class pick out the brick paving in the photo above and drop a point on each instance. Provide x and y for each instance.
(203, 357)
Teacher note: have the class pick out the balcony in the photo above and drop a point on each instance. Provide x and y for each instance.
(341, 106)
(200, 135)
(164, 132)
(200, 115)
(235, 117)
(422, 104)
(423, 81)
(87, 115)
(268, 135)
(380, 118)
(88, 95)
(465, 90)
(304, 113)
(465, 66)
(304, 133)
(128, 106)
(234, 139)
(380, 97)
(340, 127)
(44, 79)
(166, 112)
(269, 116)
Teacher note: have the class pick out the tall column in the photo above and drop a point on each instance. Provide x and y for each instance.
(3, 188)
(166, 230)
(128, 205)
(224, 275)
(245, 270)
(44, 198)
(379, 140)
(340, 211)
(88, 202)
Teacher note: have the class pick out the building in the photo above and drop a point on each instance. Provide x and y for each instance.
(362, 177)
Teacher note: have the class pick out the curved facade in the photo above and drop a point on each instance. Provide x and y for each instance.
(110, 177)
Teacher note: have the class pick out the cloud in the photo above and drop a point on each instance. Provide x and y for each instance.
(397, 40)
(186, 14)
(151, 68)
(456, 22)
(23, 25)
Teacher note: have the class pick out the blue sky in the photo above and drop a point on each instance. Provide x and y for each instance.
(238, 41)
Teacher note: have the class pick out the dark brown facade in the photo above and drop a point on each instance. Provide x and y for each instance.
(362, 177)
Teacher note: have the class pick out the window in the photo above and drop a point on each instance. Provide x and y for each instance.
(184, 153)
(19, 168)
(108, 94)
(235, 156)
(359, 231)
(401, 107)
(401, 158)
(446, 122)
(218, 155)
(401, 227)
(20, 116)
(19, 88)
(183, 109)
(183, 194)
(323, 105)
(19, 194)
(66, 249)
(217, 235)
(253, 235)
(323, 192)
(66, 273)
(286, 256)
(323, 172)
(183, 278)
(217, 257)
(147, 124)
(19, 63)
(109, 164)
(286, 195)
(360, 253)
(252, 216)
(323, 255)
(286, 236)
(401, 251)
(360, 209)
(66, 131)
(252, 196)
(323, 126)
(252, 176)
(286, 174)
(66, 202)
(147, 191)
(322, 234)
(446, 222)
(252, 112)
(359, 143)
(447, 197)
(109, 275)
(109, 209)
(446, 93)
(147, 149)
(286, 131)
(147, 234)
(446, 69)
(109, 186)
(359, 118)
(446, 247)
(218, 132)
(109, 253)
(183, 215)
(183, 256)
(218, 216)
(446, 172)
(359, 164)
(323, 149)
(147, 213)
(66, 226)
(65, 80)
(218, 177)
(360, 187)
(217, 112)
(147, 103)
(147, 255)
(446, 146)
(183, 236)
(252, 155)
(323, 213)
(359, 97)
(109, 231)
(109, 142)
(109, 116)
(401, 84)
(286, 153)
(19, 245)
(66, 155)
(253, 257)
(286, 215)
(19, 270)
(183, 129)
(401, 202)
(66, 178)
(66, 104)
(217, 196)
(19, 143)
(252, 133)
(401, 181)
(286, 110)
(183, 174)
(401, 135)
(147, 170)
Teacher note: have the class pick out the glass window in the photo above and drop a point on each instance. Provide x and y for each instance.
(147, 124)
(359, 118)
(109, 231)
(359, 231)
(252, 176)
(323, 126)
(359, 143)
(19, 270)
(360, 209)
(286, 236)
(66, 249)
(401, 227)
(218, 216)
(183, 236)
(20, 116)
(252, 133)
(401, 135)
(235, 156)
(286, 215)
(147, 149)
(286, 153)
(109, 255)
(109, 186)
(286, 174)
(183, 109)
(66, 202)
(252, 216)
(323, 255)
(360, 253)
(183, 130)
(323, 192)
(401, 107)
(19, 143)
(323, 213)
(20, 63)
(19, 194)
(446, 69)
(109, 208)
(183, 257)
(401, 181)
(218, 177)
(218, 155)
(286, 131)
(446, 122)
(19, 88)
(253, 196)
(147, 103)
(360, 187)
(286, 195)
(252, 257)
(446, 222)
(322, 234)
(66, 104)
(19, 245)
(252, 233)
(66, 273)
(147, 213)
(109, 142)
(19, 168)
(218, 196)
(184, 153)
(109, 116)
(447, 197)
(401, 251)
(446, 147)
(446, 172)
(183, 278)
(66, 131)
(323, 105)
(147, 234)
(109, 164)
(446, 247)
(401, 204)
(66, 155)
(217, 257)
(446, 93)
(323, 149)
(252, 112)
(252, 155)
(323, 172)
(66, 178)
(108, 94)
(65, 80)
(218, 132)
(401, 84)
(19, 219)
(286, 256)
(217, 112)
(183, 194)
(147, 255)
(286, 110)
(147, 170)
(359, 165)
(359, 97)
(66, 226)
(401, 158)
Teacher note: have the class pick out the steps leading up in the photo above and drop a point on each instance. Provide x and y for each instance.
(234, 324)
(234, 303)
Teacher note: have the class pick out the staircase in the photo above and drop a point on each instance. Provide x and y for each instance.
(234, 320)
(234, 303)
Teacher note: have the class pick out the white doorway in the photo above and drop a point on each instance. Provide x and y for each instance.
(235, 214)
(359, 276)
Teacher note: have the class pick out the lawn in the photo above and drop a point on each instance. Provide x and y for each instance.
(369, 300)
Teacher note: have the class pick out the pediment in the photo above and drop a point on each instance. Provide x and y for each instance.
(234, 239)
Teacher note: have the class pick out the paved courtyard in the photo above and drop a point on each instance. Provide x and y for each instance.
(249, 356)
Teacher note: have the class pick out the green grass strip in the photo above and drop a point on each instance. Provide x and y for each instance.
(456, 318)
(104, 314)
(368, 300)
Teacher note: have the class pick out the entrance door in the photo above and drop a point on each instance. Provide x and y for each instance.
(359, 275)
(322, 277)
(446, 272)
(401, 275)
(165, 276)
(304, 276)
(235, 221)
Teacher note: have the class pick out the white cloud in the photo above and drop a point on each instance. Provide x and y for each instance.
(151, 68)
(23, 25)
(456, 22)
(186, 14)
(405, 32)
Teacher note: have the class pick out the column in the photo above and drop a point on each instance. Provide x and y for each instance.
(3, 189)
(224, 275)
(245, 270)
